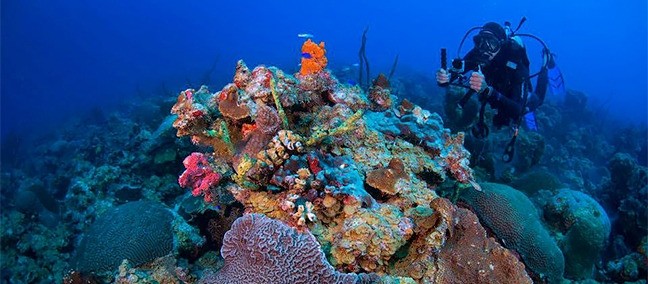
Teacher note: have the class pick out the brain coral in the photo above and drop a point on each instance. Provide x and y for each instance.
(138, 231)
(258, 249)
(469, 256)
(585, 227)
(514, 220)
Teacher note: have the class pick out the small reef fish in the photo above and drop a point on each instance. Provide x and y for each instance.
(305, 35)
(306, 55)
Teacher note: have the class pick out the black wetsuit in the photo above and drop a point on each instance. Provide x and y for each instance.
(508, 75)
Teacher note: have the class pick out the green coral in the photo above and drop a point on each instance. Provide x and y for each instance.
(585, 228)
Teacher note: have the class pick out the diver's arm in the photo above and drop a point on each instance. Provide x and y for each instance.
(495, 98)
(503, 103)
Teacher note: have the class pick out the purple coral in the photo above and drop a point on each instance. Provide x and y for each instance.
(258, 249)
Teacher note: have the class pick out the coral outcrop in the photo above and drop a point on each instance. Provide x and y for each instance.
(451, 246)
(584, 228)
(514, 220)
(138, 231)
(351, 168)
(260, 250)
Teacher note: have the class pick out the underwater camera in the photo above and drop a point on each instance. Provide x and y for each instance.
(458, 66)
(458, 77)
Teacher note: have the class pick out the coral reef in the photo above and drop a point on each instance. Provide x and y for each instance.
(161, 270)
(533, 181)
(110, 239)
(626, 193)
(515, 221)
(31, 251)
(451, 246)
(334, 171)
(380, 94)
(385, 179)
(629, 268)
(199, 176)
(260, 250)
(530, 148)
(584, 228)
(354, 174)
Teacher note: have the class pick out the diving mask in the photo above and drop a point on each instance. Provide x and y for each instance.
(486, 42)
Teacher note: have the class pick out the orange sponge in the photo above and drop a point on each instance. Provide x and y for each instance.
(313, 58)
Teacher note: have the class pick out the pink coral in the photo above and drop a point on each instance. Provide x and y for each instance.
(199, 176)
(261, 250)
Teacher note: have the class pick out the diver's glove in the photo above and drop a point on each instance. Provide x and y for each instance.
(479, 85)
(442, 77)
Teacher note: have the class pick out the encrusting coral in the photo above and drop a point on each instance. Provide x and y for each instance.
(353, 169)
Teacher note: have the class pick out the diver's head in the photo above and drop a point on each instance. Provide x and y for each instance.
(490, 39)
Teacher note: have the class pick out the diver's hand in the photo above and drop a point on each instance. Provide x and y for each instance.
(478, 82)
(442, 77)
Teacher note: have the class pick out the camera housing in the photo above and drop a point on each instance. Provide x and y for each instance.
(458, 65)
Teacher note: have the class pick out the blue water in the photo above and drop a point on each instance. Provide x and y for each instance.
(62, 57)
(118, 67)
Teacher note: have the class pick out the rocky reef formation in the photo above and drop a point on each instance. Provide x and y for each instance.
(355, 170)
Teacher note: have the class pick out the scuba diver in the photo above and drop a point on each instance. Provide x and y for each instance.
(497, 71)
